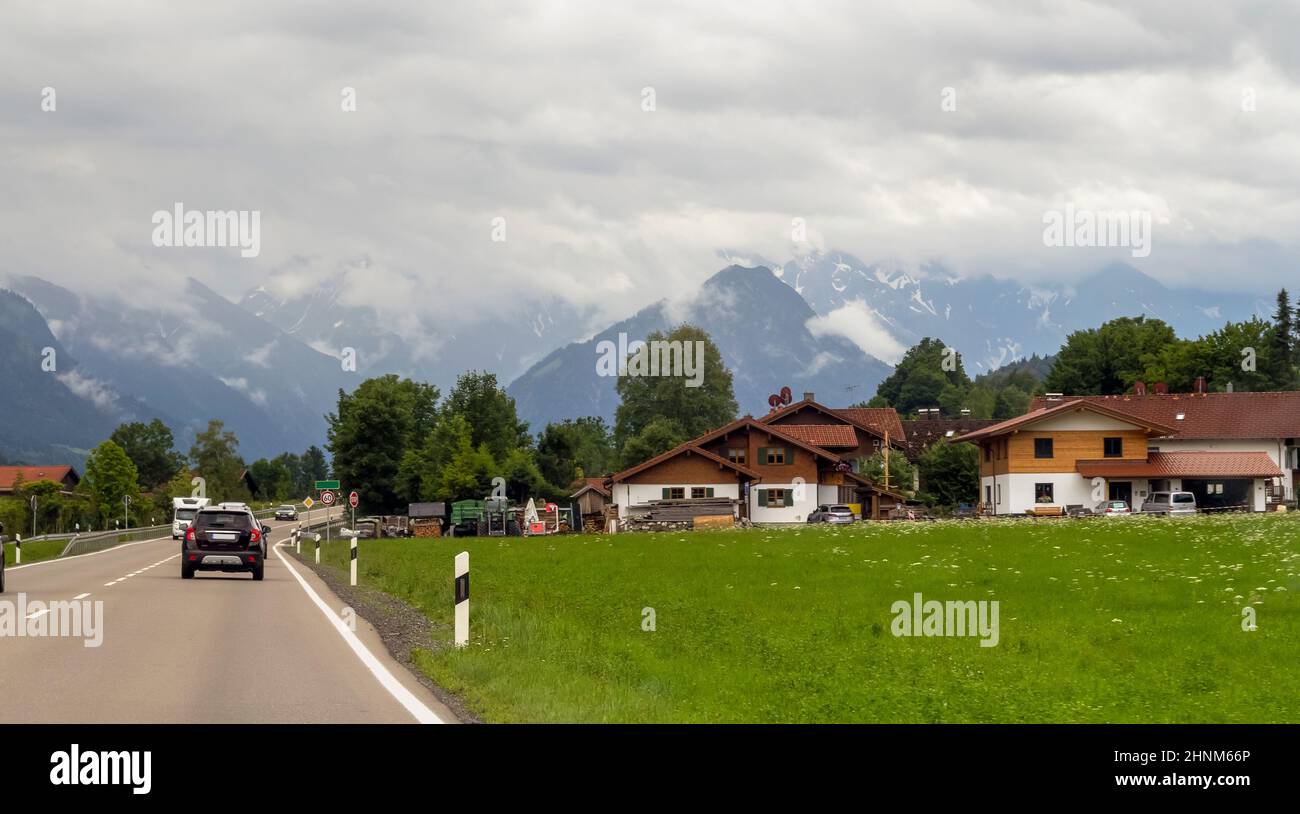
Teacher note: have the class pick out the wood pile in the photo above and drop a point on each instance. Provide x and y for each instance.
(426, 528)
(677, 515)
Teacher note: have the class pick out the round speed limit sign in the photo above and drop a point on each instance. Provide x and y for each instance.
(327, 497)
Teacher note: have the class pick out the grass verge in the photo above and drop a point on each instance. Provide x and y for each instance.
(1127, 620)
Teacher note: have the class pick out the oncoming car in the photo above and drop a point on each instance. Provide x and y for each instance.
(286, 512)
(224, 539)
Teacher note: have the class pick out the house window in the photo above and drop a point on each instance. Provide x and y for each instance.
(775, 456)
(674, 492)
(1042, 447)
(988, 493)
(775, 498)
(1042, 493)
(1113, 447)
(698, 492)
(999, 494)
(736, 456)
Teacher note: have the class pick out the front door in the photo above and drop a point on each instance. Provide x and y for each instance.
(1121, 490)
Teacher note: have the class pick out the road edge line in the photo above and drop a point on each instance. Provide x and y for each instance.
(418, 709)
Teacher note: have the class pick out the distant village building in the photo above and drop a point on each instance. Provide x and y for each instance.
(65, 476)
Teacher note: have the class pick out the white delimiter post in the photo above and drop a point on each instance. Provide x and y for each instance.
(18, 549)
(462, 599)
(354, 561)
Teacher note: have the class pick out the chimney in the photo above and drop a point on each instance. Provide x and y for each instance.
(1200, 385)
(1161, 389)
(1139, 388)
(1229, 387)
(807, 396)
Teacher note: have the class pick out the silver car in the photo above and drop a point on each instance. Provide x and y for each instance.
(1169, 503)
(832, 514)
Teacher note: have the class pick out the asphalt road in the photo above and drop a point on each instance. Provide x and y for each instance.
(219, 648)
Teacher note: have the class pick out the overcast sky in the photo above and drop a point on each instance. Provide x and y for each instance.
(764, 112)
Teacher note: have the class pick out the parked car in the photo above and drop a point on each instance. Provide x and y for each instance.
(219, 539)
(1114, 508)
(831, 514)
(1167, 503)
(286, 512)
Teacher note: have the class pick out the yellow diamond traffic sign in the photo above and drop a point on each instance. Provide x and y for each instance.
(308, 502)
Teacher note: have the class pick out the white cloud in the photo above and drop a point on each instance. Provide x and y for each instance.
(89, 388)
(856, 322)
(467, 113)
(241, 384)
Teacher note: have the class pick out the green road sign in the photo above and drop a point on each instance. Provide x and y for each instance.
(327, 484)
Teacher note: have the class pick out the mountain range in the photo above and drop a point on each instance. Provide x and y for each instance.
(270, 367)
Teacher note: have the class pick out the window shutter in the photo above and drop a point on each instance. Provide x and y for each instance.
(762, 455)
(789, 455)
(667, 492)
(762, 497)
(708, 492)
(789, 497)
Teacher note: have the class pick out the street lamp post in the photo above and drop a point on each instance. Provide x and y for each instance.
(33, 515)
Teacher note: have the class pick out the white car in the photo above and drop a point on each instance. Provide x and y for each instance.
(1114, 508)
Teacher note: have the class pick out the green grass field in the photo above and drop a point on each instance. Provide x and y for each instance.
(1125, 620)
(35, 552)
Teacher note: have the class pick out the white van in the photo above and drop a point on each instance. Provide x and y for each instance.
(183, 509)
(1170, 503)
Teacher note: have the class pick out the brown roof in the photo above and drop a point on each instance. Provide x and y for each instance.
(1114, 411)
(823, 435)
(9, 474)
(1210, 415)
(687, 448)
(595, 484)
(879, 419)
(873, 419)
(923, 432)
(1186, 465)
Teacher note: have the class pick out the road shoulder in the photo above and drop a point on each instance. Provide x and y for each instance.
(389, 628)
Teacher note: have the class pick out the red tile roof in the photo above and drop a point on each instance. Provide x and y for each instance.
(1210, 415)
(1185, 465)
(879, 419)
(9, 474)
(822, 435)
(595, 484)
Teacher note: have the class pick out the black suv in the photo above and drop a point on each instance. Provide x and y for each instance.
(224, 540)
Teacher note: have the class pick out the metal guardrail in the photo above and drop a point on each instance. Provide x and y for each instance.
(100, 540)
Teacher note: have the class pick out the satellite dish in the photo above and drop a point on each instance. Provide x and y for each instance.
(786, 395)
(774, 401)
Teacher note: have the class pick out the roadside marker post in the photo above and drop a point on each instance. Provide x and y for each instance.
(318, 549)
(18, 549)
(354, 561)
(462, 599)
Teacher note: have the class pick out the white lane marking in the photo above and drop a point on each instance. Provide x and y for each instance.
(106, 584)
(81, 596)
(395, 688)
